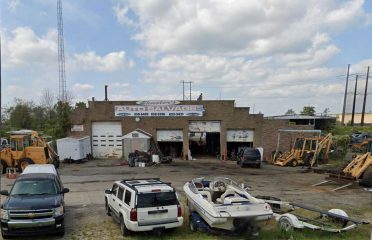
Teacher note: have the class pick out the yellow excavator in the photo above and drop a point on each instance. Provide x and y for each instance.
(306, 150)
(27, 147)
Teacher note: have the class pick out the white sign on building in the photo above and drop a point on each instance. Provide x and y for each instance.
(159, 110)
(240, 135)
(204, 126)
(77, 128)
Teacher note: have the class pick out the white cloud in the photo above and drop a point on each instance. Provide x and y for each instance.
(121, 15)
(24, 47)
(111, 62)
(77, 87)
(238, 27)
(12, 5)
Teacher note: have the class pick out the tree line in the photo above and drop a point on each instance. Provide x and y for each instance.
(49, 117)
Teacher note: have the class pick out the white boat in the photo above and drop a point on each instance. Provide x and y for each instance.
(225, 205)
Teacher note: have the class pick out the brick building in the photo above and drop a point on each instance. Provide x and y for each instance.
(206, 127)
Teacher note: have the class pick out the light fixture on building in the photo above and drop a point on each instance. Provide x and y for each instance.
(137, 119)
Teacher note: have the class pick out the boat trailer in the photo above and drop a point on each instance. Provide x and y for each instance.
(334, 220)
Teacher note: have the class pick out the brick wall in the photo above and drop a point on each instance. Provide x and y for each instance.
(224, 111)
(270, 135)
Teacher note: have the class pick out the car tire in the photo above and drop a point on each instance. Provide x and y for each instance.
(192, 225)
(123, 229)
(107, 207)
(258, 165)
(4, 235)
(62, 232)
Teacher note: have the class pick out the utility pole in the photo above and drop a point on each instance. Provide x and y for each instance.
(190, 90)
(355, 91)
(344, 107)
(365, 99)
(183, 90)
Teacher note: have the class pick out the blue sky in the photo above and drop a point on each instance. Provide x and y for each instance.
(270, 55)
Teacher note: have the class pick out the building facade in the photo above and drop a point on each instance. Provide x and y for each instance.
(205, 127)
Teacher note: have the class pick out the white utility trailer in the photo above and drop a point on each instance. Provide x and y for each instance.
(74, 148)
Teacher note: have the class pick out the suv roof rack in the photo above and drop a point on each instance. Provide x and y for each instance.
(134, 185)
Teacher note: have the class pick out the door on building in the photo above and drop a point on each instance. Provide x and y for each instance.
(204, 138)
(238, 140)
(107, 139)
(170, 142)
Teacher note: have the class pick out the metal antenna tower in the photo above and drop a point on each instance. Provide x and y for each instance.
(61, 55)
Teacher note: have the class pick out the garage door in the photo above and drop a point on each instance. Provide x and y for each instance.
(240, 135)
(169, 135)
(107, 139)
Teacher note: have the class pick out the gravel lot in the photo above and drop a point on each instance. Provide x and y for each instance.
(86, 218)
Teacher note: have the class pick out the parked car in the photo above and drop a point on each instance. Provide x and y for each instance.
(249, 156)
(143, 205)
(359, 137)
(35, 204)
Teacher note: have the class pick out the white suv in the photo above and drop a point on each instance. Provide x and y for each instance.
(143, 205)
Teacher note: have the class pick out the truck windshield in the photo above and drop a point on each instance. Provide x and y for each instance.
(34, 187)
(157, 199)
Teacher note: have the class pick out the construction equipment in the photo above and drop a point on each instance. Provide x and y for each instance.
(361, 147)
(306, 151)
(359, 170)
(27, 147)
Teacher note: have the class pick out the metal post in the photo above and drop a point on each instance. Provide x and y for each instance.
(355, 91)
(365, 99)
(344, 107)
(183, 90)
(106, 99)
(190, 90)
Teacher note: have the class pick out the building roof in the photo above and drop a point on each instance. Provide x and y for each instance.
(299, 117)
(138, 133)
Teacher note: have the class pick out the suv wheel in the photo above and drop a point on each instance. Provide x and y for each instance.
(124, 230)
(108, 210)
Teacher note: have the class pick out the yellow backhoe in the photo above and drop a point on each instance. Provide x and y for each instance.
(27, 147)
(306, 151)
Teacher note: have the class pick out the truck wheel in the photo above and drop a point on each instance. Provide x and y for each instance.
(3, 166)
(367, 177)
(56, 163)
(124, 230)
(108, 210)
(294, 163)
(23, 163)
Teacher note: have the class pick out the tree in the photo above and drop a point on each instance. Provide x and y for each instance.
(47, 99)
(326, 112)
(80, 105)
(63, 123)
(20, 115)
(308, 110)
(290, 112)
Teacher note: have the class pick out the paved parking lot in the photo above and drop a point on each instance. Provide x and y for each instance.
(86, 218)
